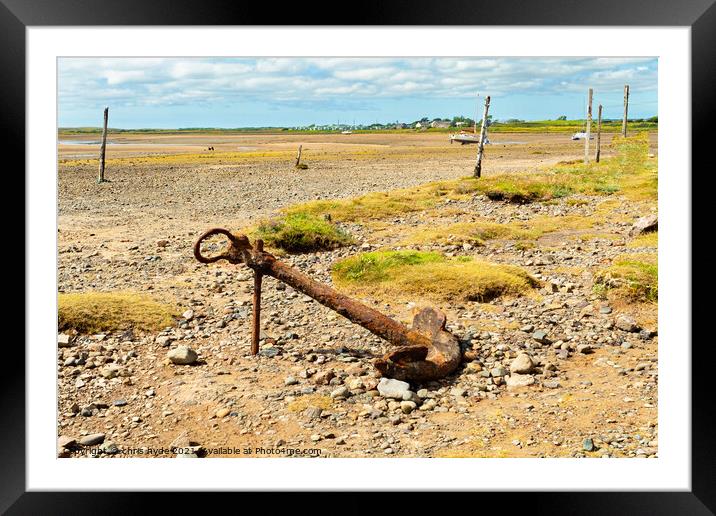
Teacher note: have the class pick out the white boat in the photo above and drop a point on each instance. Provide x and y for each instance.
(465, 138)
(581, 136)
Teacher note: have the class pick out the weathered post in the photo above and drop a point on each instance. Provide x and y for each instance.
(626, 110)
(100, 177)
(256, 315)
(481, 142)
(589, 126)
(298, 158)
(599, 132)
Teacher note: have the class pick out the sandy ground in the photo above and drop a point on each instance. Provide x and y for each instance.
(170, 188)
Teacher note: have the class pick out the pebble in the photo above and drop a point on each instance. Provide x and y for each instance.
(340, 392)
(290, 380)
(522, 364)
(540, 336)
(626, 323)
(390, 388)
(519, 380)
(182, 355)
(408, 406)
(64, 340)
(91, 439)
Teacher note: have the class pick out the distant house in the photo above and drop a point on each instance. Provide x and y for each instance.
(459, 124)
(418, 125)
(442, 124)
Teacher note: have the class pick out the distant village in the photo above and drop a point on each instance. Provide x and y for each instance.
(423, 123)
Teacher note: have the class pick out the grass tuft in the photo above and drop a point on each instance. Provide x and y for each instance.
(431, 275)
(634, 277)
(302, 232)
(93, 312)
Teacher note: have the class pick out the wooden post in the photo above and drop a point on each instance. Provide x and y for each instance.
(599, 132)
(103, 147)
(589, 126)
(298, 158)
(626, 110)
(256, 314)
(481, 142)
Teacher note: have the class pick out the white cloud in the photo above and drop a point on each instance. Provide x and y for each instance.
(89, 82)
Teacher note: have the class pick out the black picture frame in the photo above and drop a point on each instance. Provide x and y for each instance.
(700, 15)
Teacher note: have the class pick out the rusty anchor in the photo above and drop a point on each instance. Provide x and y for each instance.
(427, 351)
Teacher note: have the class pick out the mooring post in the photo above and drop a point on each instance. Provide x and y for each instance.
(599, 132)
(626, 110)
(481, 142)
(100, 177)
(298, 158)
(589, 126)
(256, 316)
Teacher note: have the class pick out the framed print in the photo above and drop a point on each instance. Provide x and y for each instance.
(417, 253)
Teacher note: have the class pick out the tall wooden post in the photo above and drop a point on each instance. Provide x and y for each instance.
(599, 132)
(298, 158)
(103, 147)
(481, 142)
(256, 314)
(626, 110)
(589, 126)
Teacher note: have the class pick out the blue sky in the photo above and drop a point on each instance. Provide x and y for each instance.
(248, 92)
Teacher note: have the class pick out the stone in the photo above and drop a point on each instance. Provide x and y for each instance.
(323, 377)
(110, 372)
(182, 355)
(391, 388)
(340, 392)
(92, 439)
(522, 364)
(498, 372)
(519, 380)
(109, 448)
(163, 340)
(64, 340)
(408, 406)
(222, 412)
(269, 352)
(588, 445)
(541, 337)
(66, 442)
(313, 412)
(473, 367)
(290, 380)
(626, 323)
(188, 315)
(645, 224)
(527, 328)
(585, 349)
(119, 403)
(411, 396)
(457, 392)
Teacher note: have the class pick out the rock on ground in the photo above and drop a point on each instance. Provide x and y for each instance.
(182, 355)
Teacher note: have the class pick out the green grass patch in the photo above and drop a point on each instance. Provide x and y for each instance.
(645, 240)
(477, 233)
(302, 232)
(93, 312)
(634, 277)
(630, 173)
(430, 275)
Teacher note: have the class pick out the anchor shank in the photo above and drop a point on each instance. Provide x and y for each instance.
(356, 312)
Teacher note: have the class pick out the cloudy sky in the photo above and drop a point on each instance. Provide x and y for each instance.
(247, 92)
